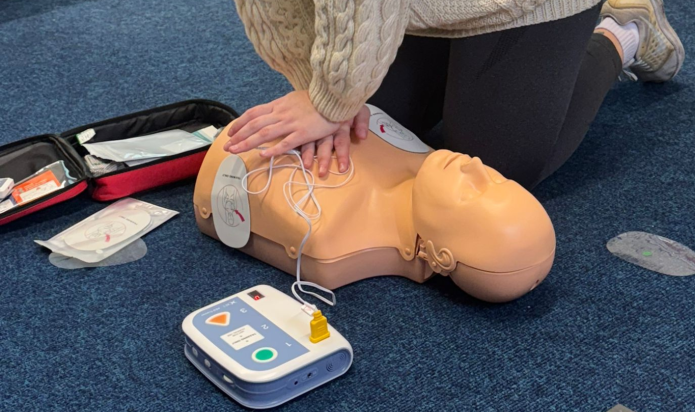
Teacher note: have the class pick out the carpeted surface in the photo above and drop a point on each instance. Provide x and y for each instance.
(598, 332)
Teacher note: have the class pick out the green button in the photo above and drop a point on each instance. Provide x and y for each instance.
(264, 355)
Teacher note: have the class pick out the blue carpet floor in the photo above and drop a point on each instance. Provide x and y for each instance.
(596, 333)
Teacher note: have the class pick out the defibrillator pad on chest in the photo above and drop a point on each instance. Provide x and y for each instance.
(230, 203)
(393, 132)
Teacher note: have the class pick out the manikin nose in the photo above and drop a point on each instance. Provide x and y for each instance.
(477, 178)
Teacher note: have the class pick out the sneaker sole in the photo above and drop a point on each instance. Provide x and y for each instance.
(670, 34)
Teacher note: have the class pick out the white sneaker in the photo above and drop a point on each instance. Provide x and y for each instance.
(660, 53)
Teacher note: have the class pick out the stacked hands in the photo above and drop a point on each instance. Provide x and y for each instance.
(295, 119)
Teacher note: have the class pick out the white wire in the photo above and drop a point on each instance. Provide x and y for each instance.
(310, 183)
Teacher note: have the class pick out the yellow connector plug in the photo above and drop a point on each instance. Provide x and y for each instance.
(319, 328)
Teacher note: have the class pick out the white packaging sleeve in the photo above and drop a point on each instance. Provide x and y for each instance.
(109, 230)
(131, 253)
(167, 143)
(6, 185)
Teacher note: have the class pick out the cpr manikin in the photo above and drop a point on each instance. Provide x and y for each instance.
(401, 213)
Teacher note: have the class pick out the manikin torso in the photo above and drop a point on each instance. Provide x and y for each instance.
(495, 239)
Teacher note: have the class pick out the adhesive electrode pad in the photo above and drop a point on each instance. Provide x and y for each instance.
(230, 203)
(654, 253)
(108, 231)
(134, 251)
(393, 132)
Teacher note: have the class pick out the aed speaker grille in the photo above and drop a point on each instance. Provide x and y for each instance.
(336, 362)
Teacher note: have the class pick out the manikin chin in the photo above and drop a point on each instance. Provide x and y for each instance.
(402, 213)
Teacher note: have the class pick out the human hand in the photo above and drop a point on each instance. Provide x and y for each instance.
(292, 116)
(296, 118)
(361, 122)
(340, 142)
(323, 149)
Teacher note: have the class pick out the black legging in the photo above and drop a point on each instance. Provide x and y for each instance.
(521, 99)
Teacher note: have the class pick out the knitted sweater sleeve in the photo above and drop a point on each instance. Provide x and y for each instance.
(282, 33)
(340, 50)
(356, 42)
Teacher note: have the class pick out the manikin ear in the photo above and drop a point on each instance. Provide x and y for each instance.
(477, 179)
(441, 261)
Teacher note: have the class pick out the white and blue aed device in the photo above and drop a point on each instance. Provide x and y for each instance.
(255, 347)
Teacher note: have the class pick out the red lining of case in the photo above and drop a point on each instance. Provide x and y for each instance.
(126, 183)
(69, 194)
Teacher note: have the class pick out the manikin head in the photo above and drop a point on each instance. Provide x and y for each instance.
(489, 234)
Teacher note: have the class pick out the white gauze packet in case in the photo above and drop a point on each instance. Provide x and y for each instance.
(167, 143)
(6, 185)
(108, 231)
(43, 182)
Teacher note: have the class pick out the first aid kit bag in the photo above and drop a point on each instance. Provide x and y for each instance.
(52, 168)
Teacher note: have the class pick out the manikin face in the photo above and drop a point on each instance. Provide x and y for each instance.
(476, 217)
(457, 179)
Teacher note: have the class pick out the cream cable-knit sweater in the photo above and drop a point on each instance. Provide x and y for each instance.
(340, 50)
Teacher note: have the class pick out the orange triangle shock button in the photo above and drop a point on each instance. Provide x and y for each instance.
(220, 319)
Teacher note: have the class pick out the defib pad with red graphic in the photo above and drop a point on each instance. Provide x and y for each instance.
(108, 231)
(393, 132)
(230, 203)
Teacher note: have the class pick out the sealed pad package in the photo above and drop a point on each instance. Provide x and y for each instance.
(108, 231)
(167, 143)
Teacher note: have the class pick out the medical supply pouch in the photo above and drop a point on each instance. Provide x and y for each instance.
(104, 179)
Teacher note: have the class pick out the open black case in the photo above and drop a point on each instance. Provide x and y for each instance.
(24, 157)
